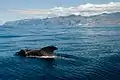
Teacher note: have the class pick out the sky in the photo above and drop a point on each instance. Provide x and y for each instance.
(24, 9)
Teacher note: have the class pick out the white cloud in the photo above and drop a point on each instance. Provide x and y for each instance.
(85, 10)
(31, 11)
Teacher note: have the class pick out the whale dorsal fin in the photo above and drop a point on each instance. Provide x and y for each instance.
(49, 49)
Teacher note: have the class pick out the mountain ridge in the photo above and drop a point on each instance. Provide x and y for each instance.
(101, 19)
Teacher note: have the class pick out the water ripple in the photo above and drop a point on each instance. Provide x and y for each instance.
(87, 53)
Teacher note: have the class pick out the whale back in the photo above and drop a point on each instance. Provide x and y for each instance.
(45, 51)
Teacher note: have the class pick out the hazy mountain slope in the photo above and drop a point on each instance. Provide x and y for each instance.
(102, 19)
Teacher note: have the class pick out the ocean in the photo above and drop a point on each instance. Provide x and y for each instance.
(89, 53)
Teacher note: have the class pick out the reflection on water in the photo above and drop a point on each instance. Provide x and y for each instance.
(88, 53)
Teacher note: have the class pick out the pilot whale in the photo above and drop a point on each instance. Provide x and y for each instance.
(45, 52)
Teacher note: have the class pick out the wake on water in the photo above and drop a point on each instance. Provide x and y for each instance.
(50, 57)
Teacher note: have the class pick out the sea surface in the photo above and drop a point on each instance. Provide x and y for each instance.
(88, 53)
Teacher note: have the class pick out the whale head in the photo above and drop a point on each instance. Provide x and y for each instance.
(21, 53)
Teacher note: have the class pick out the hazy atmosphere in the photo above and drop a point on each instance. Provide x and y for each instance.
(22, 9)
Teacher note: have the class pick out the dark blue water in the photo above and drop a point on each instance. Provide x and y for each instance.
(91, 53)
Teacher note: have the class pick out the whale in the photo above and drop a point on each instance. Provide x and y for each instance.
(45, 52)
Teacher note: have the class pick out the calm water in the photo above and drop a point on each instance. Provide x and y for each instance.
(90, 53)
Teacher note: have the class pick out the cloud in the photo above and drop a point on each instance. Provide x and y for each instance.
(85, 10)
(31, 11)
